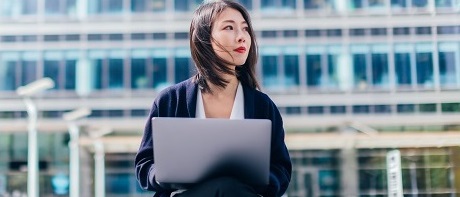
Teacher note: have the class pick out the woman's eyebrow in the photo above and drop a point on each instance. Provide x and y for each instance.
(232, 21)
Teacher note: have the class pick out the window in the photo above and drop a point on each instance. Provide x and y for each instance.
(360, 71)
(405, 108)
(138, 36)
(116, 37)
(8, 38)
(268, 34)
(185, 5)
(291, 70)
(378, 31)
(273, 5)
(423, 30)
(361, 109)
(382, 109)
(181, 35)
(338, 110)
(29, 38)
(314, 70)
(70, 73)
(290, 33)
(442, 30)
(403, 68)
(115, 73)
(52, 67)
(72, 37)
(182, 69)
(60, 7)
(401, 31)
(29, 67)
(139, 73)
(398, 4)
(315, 110)
(447, 68)
(427, 108)
(159, 36)
(8, 64)
(139, 6)
(270, 71)
(334, 32)
(51, 38)
(357, 32)
(424, 62)
(95, 37)
(246, 3)
(419, 3)
(312, 33)
(159, 73)
(450, 107)
(380, 70)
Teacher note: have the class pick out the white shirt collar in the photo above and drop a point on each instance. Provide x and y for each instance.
(237, 109)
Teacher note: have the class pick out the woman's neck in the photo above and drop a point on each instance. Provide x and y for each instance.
(229, 90)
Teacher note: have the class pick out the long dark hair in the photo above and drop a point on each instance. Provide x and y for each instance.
(207, 62)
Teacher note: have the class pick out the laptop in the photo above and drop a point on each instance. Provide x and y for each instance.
(191, 150)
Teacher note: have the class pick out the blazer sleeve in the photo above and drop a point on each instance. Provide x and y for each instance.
(280, 161)
(144, 162)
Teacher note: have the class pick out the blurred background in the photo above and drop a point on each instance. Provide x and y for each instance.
(353, 80)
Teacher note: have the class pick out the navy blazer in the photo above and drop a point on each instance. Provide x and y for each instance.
(180, 101)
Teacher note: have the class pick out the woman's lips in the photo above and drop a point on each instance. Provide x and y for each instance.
(240, 49)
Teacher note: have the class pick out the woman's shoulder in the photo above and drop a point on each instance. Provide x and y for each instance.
(176, 90)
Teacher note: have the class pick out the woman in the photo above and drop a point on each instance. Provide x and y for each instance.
(224, 50)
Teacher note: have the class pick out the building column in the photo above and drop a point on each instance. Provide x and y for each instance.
(349, 168)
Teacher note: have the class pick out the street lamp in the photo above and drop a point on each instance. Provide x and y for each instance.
(26, 92)
(99, 161)
(71, 118)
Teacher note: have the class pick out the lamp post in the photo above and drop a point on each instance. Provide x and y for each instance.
(26, 92)
(99, 161)
(71, 117)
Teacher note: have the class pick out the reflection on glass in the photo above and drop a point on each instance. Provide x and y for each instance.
(398, 4)
(274, 5)
(148, 5)
(51, 70)
(8, 75)
(246, 3)
(159, 73)
(138, 73)
(314, 70)
(333, 71)
(403, 68)
(120, 183)
(443, 3)
(114, 6)
(28, 71)
(356, 4)
(420, 3)
(96, 74)
(424, 66)
(360, 71)
(115, 74)
(291, 70)
(447, 68)
(70, 74)
(29, 7)
(270, 71)
(182, 69)
(380, 70)
(371, 180)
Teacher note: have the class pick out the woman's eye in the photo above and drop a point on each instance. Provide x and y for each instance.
(246, 28)
(228, 28)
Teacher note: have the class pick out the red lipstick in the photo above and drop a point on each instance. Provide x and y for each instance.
(240, 49)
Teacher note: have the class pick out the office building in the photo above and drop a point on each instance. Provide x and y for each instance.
(352, 78)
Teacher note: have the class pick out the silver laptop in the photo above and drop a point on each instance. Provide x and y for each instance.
(190, 150)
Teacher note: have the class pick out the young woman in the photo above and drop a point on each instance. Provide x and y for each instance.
(224, 51)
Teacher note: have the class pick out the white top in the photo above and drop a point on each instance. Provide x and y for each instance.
(237, 109)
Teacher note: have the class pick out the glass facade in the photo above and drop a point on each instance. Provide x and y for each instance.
(331, 67)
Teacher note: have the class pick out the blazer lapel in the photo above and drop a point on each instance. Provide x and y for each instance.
(248, 102)
(192, 90)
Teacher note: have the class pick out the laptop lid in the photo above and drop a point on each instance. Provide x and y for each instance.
(190, 150)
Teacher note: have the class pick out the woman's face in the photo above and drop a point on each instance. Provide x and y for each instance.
(231, 39)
